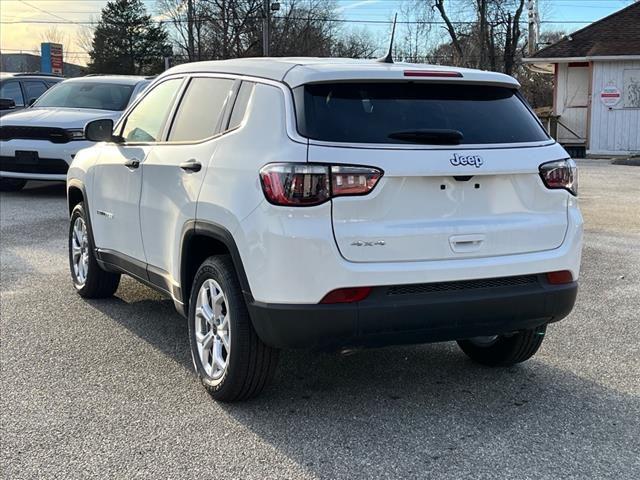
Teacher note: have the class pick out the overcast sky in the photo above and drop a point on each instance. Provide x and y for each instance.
(27, 36)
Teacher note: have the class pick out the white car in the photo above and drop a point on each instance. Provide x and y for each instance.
(39, 143)
(325, 203)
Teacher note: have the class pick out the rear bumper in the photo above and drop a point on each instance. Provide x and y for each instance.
(415, 315)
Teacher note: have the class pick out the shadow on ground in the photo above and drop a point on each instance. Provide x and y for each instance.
(427, 408)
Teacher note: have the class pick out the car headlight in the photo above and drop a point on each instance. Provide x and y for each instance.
(76, 134)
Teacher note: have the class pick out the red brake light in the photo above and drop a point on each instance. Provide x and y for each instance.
(300, 184)
(560, 277)
(432, 73)
(347, 295)
(560, 174)
(295, 184)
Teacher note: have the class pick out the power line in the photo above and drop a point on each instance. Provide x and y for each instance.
(332, 20)
(46, 12)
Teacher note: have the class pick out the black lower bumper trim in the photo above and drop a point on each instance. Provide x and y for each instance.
(45, 166)
(434, 316)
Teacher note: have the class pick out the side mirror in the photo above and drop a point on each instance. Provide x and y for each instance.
(7, 104)
(99, 130)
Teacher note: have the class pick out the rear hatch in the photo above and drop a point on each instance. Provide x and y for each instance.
(460, 169)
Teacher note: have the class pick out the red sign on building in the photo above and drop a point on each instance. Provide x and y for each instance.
(56, 58)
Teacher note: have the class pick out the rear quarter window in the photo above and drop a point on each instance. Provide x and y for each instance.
(371, 112)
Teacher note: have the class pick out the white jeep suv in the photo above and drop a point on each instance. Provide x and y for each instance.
(327, 203)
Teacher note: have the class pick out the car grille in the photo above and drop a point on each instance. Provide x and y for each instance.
(44, 165)
(54, 135)
(462, 285)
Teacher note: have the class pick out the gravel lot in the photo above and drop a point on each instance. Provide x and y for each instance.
(105, 389)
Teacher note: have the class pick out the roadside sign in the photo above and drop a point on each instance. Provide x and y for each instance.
(610, 95)
(51, 58)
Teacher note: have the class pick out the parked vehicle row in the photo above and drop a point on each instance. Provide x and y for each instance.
(324, 203)
(19, 90)
(39, 143)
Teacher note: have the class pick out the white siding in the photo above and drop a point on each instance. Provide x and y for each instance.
(613, 130)
(572, 98)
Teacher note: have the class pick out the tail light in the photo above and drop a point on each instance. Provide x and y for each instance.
(347, 180)
(560, 174)
(560, 277)
(347, 295)
(299, 184)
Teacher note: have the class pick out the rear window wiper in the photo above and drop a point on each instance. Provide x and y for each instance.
(430, 136)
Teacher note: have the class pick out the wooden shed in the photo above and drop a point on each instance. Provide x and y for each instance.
(596, 96)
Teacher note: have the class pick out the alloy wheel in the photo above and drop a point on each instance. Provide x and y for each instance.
(80, 251)
(212, 329)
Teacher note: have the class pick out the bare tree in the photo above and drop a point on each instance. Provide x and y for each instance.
(453, 33)
(218, 29)
(187, 19)
(491, 38)
(414, 38)
(53, 34)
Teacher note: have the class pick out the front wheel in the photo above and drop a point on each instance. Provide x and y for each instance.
(231, 361)
(504, 350)
(90, 280)
(11, 184)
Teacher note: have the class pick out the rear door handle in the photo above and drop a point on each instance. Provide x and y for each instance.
(132, 163)
(191, 166)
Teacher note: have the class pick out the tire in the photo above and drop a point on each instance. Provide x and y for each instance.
(505, 350)
(92, 281)
(246, 365)
(11, 184)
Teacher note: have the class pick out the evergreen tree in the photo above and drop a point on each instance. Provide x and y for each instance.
(127, 40)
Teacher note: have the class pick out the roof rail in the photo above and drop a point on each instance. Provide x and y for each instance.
(40, 74)
(151, 77)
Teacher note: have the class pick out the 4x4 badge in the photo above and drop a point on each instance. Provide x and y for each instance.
(462, 160)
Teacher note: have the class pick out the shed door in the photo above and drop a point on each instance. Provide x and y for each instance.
(573, 127)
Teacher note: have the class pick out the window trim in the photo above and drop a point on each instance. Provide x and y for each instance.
(233, 105)
(11, 80)
(222, 120)
(122, 122)
(299, 91)
(23, 85)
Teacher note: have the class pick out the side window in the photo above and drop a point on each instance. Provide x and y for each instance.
(240, 105)
(33, 89)
(12, 91)
(147, 119)
(199, 112)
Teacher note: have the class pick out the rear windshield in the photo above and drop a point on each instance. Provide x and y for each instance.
(414, 113)
(102, 96)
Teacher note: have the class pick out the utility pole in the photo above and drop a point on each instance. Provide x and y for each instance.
(266, 26)
(534, 26)
(190, 22)
(267, 7)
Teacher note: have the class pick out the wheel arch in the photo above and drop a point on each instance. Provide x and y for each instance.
(200, 240)
(75, 194)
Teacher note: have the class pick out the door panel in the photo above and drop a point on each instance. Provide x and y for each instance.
(115, 215)
(169, 196)
(173, 172)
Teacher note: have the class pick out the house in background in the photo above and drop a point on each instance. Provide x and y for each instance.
(596, 96)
